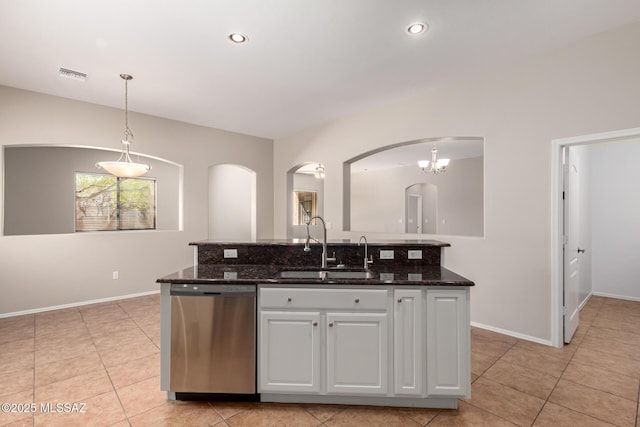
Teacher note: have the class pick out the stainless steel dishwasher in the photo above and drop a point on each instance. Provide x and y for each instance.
(213, 339)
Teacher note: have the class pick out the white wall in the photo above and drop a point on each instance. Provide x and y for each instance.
(460, 199)
(232, 203)
(615, 183)
(588, 87)
(39, 188)
(50, 270)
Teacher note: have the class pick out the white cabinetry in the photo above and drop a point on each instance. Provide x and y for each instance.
(289, 350)
(350, 323)
(448, 349)
(388, 345)
(357, 353)
(408, 342)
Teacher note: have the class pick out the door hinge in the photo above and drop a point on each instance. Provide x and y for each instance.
(564, 310)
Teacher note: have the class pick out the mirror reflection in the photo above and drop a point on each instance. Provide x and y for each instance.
(391, 193)
(306, 195)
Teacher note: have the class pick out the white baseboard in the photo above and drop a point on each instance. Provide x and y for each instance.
(604, 294)
(512, 334)
(585, 301)
(77, 304)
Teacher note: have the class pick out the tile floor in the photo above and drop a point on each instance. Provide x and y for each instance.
(107, 356)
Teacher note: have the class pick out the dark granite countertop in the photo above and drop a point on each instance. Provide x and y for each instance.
(270, 274)
(341, 242)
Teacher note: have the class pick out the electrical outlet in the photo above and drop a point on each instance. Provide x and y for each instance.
(231, 253)
(115, 275)
(231, 275)
(386, 277)
(386, 254)
(415, 254)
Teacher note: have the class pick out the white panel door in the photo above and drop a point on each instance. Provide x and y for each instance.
(357, 353)
(408, 340)
(570, 247)
(289, 351)
(448, 353)
(414, 213)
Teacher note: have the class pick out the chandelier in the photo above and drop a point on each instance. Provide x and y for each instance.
(319, 173)
(124, 167)
(436, 165)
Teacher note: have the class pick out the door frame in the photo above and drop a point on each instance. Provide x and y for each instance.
(557, 215)
(418, 212)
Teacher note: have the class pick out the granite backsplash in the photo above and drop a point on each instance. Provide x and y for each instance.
(293, 254)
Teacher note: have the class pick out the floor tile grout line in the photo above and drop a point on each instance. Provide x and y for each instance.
(488, 379)
(562, 373)
(638, 407)
(546, 400)
(139, 327)
(560, 377)
(488, 411)
(106, 371)
(498, 359)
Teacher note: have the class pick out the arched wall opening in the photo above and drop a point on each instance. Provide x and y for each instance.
(232, 203)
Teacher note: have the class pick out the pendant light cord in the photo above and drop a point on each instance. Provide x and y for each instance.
(127, 131)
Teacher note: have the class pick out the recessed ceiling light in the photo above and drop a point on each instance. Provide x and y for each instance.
(417, 28)
(237, 37)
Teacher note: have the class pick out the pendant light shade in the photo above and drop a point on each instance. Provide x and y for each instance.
(124, 167)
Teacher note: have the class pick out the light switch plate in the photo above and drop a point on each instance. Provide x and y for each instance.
(231, 253)
(231, 275)
(415, 254)
(386, 254)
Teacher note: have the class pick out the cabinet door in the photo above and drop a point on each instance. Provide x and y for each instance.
(408, 342)
(448, 353)
(289, 351)
(357, 353)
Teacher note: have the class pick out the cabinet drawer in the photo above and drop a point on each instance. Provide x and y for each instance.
(350, 299)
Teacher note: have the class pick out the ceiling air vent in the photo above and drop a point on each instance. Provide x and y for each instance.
(71, 74)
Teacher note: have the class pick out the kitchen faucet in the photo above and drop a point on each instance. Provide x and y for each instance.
(325, 259)
(367, 261)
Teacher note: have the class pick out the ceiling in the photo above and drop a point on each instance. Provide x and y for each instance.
(306, 61)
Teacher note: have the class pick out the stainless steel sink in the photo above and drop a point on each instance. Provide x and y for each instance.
(327, 274)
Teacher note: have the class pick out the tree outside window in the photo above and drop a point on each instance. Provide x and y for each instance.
(106, 202)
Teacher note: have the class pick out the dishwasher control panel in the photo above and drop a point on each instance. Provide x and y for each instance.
(211, 289)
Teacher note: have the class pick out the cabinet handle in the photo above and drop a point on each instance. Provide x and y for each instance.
(357, 300)
(288, 299)
(399, 300)
(315, 323)
(331, 325)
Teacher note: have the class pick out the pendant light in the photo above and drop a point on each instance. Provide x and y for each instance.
(435, 165)
(124, 167)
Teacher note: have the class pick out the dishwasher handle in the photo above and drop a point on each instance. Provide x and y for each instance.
(212, 294)
(213, 290)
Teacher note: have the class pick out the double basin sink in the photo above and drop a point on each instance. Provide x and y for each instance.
(328, 274)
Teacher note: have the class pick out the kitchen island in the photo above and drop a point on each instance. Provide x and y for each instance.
(395, 333)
